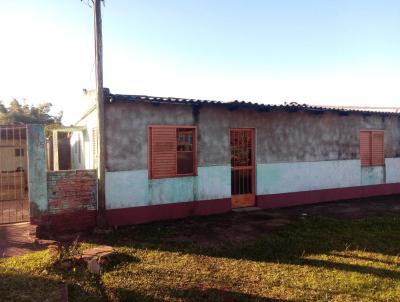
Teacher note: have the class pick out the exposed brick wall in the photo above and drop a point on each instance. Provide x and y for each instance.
(72, 190)
(72, 201)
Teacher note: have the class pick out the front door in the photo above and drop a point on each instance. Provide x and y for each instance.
(242, 167)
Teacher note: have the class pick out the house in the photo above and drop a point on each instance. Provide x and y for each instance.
(13, 164)
(169, 158)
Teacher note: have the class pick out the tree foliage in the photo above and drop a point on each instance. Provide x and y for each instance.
(16, 113)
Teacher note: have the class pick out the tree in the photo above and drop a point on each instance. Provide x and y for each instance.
(3, 108)
(25, 114)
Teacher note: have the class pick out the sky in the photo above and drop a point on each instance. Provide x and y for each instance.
(331, 52)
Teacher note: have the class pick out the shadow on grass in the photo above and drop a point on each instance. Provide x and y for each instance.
(291, 244)
(119, 259)
(23, 287)
(194, 295)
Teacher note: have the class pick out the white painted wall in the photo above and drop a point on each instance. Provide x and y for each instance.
(134, 188)
(392, 170)
(77, 150)
(372, 175)
(304, 176)
(90, 122)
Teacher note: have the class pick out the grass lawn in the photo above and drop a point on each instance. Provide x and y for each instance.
(311, 259)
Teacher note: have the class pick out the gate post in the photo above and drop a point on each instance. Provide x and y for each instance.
(37, 171)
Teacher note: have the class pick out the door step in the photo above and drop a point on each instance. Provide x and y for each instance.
(246, 209)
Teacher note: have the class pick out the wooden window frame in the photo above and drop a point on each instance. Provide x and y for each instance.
(371, 147)
(149, 151)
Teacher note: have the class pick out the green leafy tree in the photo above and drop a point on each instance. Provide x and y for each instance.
(3, 108)
(16, 114)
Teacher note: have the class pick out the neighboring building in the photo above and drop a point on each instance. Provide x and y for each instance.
(75, 147)
(170, 158)
(84, 143)
(13, 164)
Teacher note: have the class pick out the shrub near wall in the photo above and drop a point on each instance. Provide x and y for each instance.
(72, 200)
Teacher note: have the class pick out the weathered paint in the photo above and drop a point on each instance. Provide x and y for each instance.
(145, 214)
(66, 222)
(126, 131)
(37, 169)
(71, 200)
(126, 189)
(295, 152)
(392, 166)
(373, 175)
(303, 176)
(280, 136)
(316, 196)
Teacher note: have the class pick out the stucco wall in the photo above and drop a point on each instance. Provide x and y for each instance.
(295, 151)
(37, 171)
(280, 136)
(303, 176)
(392, 170)
(126, 131)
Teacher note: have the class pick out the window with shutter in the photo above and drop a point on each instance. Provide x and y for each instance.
(172, 151)
(365, 148)
(372, 148)
(377, 148)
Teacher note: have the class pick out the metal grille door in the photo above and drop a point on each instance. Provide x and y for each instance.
(14, 205)
(242, 167)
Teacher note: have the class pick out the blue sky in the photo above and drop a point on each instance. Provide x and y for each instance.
(343, 52)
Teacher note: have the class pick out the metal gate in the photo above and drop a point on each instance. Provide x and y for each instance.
(14, 204)
(242, 167)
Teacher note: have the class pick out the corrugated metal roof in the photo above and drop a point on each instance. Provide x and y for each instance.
(293, 106)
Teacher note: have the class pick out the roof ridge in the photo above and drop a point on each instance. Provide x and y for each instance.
(290, 106)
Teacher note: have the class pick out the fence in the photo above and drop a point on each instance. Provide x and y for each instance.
(14, 205)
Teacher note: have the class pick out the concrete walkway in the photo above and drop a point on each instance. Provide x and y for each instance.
(15, 240)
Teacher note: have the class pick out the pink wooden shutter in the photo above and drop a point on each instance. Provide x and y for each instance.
(377, 149)
(365, 148)
(163, 152)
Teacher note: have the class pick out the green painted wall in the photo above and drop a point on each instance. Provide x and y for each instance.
(372, 175)
(37, 169)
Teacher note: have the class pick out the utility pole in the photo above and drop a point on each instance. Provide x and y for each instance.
(101, 221)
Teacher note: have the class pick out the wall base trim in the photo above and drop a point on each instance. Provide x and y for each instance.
(61, 223)
(315, 196)
(144, 214)
(84, 220)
